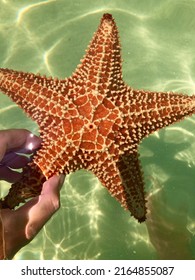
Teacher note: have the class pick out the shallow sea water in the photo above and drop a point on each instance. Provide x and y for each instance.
(158, 49)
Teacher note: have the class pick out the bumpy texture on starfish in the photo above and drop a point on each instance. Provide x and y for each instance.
(92, 120)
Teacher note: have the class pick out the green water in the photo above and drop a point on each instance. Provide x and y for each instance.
(158, 49)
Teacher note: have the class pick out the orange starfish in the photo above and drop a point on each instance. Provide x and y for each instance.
(92, 120)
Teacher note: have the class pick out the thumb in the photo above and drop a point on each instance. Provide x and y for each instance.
(53, 185)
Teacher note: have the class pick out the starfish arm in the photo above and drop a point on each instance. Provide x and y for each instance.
(28, 186)
(124, 181)
(36, 95)
(133, 185)
(151, 111)
(101, 65)
(54, 158)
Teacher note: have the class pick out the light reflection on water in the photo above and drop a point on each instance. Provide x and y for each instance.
(158, 52)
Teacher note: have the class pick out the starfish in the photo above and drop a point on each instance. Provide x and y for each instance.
(92, 120)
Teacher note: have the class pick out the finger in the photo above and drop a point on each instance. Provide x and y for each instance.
(53, 185)
(15, 139)
(41, 208)
(14, 160)
(32, 143)
(9, 175)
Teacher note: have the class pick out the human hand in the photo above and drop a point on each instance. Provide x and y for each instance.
(12, 142)
(18, 227)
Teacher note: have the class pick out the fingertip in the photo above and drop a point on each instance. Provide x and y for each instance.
(53, 184)
(57, 179)
(61, 182)
(13, 139)
(33, 142)
(2, 152)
